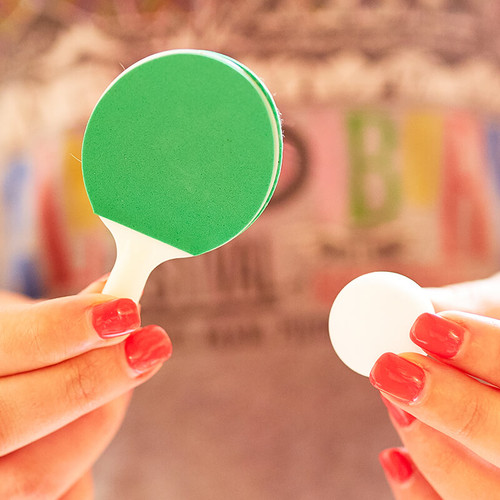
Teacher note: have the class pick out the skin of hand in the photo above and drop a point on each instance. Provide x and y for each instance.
(67, 370)
(446, 406)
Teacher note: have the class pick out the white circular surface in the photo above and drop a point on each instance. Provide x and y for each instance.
(373, 314)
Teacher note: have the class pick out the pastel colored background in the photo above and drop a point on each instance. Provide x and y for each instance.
(391, 118)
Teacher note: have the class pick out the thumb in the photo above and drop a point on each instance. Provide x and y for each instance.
(477, 297)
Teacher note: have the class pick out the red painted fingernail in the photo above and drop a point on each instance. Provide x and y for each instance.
(396, 464)
(437, 335)
(402, 418)
(116, 317)
(398, 377)
(147, 347)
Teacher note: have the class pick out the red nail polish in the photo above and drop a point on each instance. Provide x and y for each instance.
(402, 418)
(398, 377)
(116, 317)
(437, 335)
(396, 464)
(147, 347)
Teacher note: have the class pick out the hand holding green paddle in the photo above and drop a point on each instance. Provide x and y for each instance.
(181, 154)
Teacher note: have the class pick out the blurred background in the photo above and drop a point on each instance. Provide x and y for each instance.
(391, 113)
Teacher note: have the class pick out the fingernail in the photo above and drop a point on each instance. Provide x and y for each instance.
(396, 464)
(147, 347)
(437, 335)
(398, 377)
(116, 317)
(402, 418)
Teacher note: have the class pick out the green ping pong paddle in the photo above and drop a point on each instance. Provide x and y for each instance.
(181, 154)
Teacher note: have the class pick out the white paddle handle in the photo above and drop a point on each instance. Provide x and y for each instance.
(136, 256)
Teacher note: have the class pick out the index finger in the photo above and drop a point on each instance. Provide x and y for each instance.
(40, 334)
(465, 341)
(444, 398)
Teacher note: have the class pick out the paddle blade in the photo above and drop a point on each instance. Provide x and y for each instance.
(185, 147)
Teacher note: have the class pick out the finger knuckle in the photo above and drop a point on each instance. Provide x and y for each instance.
(34, 326)
(34, 342)
(45, 328)
(83, 384)
(472, 419)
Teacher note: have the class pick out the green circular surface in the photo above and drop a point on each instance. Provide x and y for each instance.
(185, 147)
